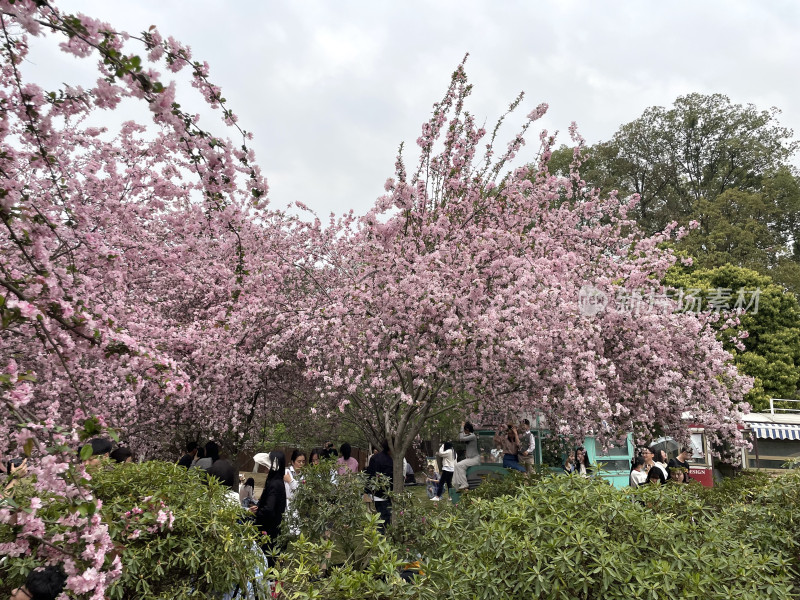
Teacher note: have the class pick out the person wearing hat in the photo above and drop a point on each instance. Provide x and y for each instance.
(272, 504)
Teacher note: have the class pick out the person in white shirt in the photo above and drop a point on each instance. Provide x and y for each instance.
(638, 474)
(291, 479)
(660, 461)
(448, 456)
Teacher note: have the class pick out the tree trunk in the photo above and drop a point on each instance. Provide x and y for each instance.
(399, 476)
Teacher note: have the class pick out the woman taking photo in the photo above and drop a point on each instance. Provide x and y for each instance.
(448, 456)
(508, 444)
(473, 457)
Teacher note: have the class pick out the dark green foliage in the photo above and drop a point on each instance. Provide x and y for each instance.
(544, 537)
(508, 484)
(411, 520)
(569, 537)
(697, 149)
(727, 166)
(328, 508)
(555, 537)
(744, 488)
(306, 572)
(772, 348)
(339, 553)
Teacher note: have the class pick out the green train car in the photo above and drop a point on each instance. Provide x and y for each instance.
(612, 463)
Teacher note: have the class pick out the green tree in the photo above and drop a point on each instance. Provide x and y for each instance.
(724, 165)
(698, 149)
(756, 230)
(771, 351)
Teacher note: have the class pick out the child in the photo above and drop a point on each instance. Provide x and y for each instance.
(431, 482)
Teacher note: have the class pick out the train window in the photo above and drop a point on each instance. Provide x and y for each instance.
(698, 443)
(672, 447)
(617, 448)
(614, 464)
(554, 449)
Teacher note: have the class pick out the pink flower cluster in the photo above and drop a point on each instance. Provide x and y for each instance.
(459, 291)
(154, 518)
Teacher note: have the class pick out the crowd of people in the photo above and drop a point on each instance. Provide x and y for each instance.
(283, 480)
(517, 444)
(655, 468)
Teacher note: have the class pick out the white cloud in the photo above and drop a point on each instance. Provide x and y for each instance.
(330, 89)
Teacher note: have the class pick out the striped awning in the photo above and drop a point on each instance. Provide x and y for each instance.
(775, 431)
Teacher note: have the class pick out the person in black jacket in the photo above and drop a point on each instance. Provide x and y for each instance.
(382, 464)
(272, 504)
(187, 459)
(680, 464)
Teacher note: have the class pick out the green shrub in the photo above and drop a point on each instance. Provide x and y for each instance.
(334, 550)
(568, 537)
(557, 537)
(544, 537)
(495, 486)
(740, 489)
(179, 536)
(375, 576)
(411, 519)
(209, 548)
(327, 508)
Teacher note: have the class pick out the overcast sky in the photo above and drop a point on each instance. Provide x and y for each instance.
(330, 88)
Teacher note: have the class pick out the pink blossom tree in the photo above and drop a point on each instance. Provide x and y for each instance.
(144, 283)
(462, 290)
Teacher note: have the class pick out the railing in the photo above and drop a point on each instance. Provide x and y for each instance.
(773, 408)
